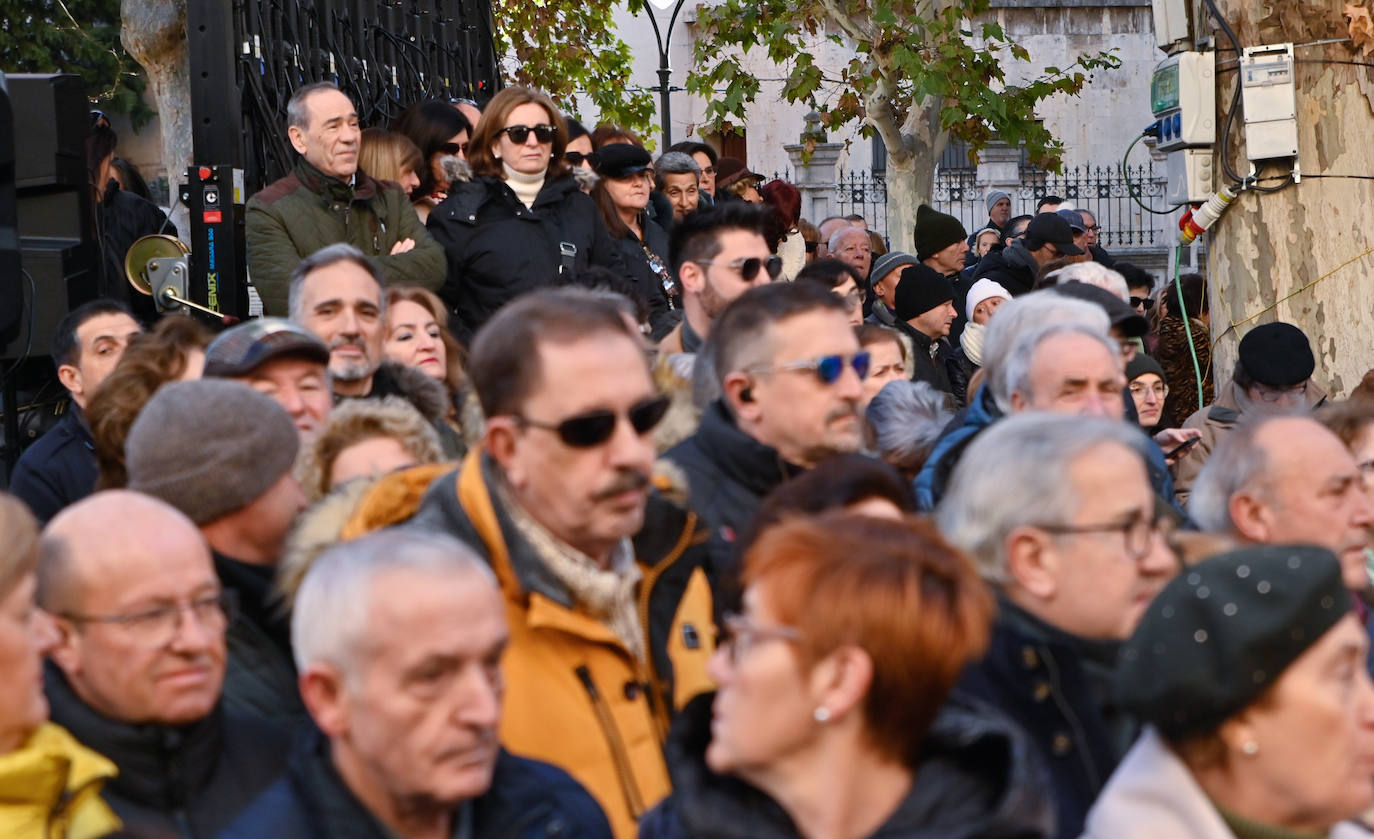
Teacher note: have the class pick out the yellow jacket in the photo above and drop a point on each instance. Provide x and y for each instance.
(50, 789)
(575, 696)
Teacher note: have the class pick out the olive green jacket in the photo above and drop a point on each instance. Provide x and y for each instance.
(307, 210)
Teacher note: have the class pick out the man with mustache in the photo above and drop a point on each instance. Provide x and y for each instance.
(337, 294)
(791, 376)
(138, 666)
(400, 637)
(605, 592)
(326, 199)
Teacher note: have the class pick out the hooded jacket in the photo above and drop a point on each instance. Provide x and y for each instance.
(187, 782)
(307, 210)
(428, 395)
(576, 697)
(526, 800)
(977, 780)
(1152, 794)
(728, 473)
(50, 789)
(497, 248)
(1215, 421)
(1013, 267)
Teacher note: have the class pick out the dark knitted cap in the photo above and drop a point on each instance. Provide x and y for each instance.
(209, 447)
(936, 231)
(1142, 364)
(1277, 355)
(921, 289)
(1223, 631)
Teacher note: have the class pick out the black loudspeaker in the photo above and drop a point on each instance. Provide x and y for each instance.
(56, 230)
(11, 280)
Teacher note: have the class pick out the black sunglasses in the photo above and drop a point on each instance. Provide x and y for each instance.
(1146, 303)
(596, 427)
(576, 158)
(518, 134)
(454, 148)
(749, 268)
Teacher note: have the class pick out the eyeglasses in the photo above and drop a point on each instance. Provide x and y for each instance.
(1093, 228)
(709, 170)
(1159, 389)
(738, 635)
(157, 627)
(749, 268)
(454, 148)
(1272, 395)
(596, 427)
(1146, 303)
(576, 158)
(1139, 530)
(518, 134)
(1366, 468)
(828, 368)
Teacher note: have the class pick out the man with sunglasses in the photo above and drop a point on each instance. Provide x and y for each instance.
(1272, 376)
(606, 591)
(1092, 231)
(791, 375)
(138, 663)
(717, 255)
(1060, 518)
(327, 199)
(1048, 236)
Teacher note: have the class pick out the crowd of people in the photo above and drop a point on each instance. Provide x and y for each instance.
(563, 490)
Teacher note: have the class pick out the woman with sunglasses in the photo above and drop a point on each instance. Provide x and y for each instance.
(831, 718)
(522, 222)
(441, 132)
(622, 195)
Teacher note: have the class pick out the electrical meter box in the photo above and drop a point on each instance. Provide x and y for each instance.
(1173, 23)
(1270, 101)
(1183, 95)
(1190, 175)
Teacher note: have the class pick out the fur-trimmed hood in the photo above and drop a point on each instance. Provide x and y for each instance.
(428, 395)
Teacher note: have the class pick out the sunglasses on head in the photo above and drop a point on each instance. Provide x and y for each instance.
(518, 134)
(596, 427)
(1146, 303)
(749, 268)
(576, 158)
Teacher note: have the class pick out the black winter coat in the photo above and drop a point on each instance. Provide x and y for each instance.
(728, 473)
(978, 779)
(57, 470)
(175, 783)
(932, 368)
(527, 800)
(124, 219)
(260, 676)
(647, 281)
(1015, 273)
(497, 248)
(1056, 687)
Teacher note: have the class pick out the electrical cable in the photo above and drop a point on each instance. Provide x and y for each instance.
(28, 343)
(1187, 325)
(1130, 187)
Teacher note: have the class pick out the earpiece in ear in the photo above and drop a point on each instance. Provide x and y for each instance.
(746, 395)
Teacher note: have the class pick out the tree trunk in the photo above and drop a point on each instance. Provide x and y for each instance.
(154, 33)
(910, 171)
(1269, 247)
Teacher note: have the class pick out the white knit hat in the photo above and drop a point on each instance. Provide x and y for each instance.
(982, 290)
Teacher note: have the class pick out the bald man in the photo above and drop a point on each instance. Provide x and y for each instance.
(138, 666)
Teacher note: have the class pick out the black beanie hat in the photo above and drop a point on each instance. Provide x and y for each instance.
(1142, 364)
(921, 289)
(936, 231)
(1277, 355)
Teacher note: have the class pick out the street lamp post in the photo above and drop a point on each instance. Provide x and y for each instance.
(664, 38)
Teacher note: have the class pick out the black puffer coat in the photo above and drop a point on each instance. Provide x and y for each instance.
(175, 783)
(497, 248)
(647, 281)
(977, 780)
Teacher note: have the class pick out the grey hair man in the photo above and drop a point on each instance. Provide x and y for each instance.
(399, 637)
(852, 246)
(326, 199)
(1287, 480)
(139, 664)
(1059, 516)
(1063, 368)
(678, 177)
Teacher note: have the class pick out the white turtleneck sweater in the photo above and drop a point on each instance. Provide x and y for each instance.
(525, 187)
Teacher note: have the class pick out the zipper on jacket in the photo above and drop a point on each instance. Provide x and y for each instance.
(618, 752)
(1068, 713)
(646, 590)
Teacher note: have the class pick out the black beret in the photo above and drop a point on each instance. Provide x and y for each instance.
(1277, 355)
(936, 231)
(920, 289)
(1223, 631)
(619, 160)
